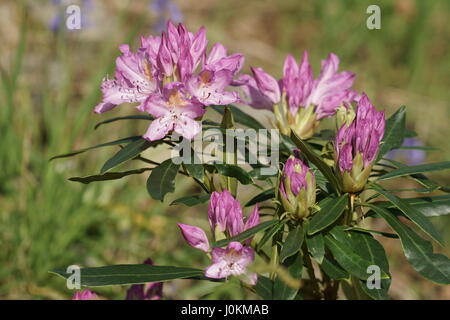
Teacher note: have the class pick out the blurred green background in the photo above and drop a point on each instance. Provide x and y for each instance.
(50, 80)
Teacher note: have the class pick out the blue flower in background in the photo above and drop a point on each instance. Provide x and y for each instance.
(165, 10)
(412, 157)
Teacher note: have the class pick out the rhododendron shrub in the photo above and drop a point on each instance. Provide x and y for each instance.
(305, 231)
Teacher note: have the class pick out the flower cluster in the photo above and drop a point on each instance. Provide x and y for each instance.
(173, 79)
(226, 220)
(357, 144)
(298, 100)
(297, 188)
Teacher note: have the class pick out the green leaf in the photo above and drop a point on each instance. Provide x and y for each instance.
(134, 117)
(258, 174)
(370, 249)
(420, 178)
(418, 252)
(411, 212)
(281, 291)
(270, 233)
(263, 196)
(108, 176)
(330, 210)
(240, 117)
(162, 179)
(385, 234)
(405, 171)
(127, 274)
(333, 269)
(316, 246)
(348, 259)
(127, 153)
(191, 201)
(317, 161)
(246, 234)
(264, 288)
(234, 171)
(107, 144)
(293, 243)
(194, 166)
(394, 132)
(433, 206)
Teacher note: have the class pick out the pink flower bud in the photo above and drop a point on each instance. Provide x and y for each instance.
(195, 237)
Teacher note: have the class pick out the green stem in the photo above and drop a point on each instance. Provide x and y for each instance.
(312, 275)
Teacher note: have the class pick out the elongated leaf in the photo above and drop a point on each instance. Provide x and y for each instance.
(246, 234)
(293, 243)
(162, 179)
(420, 178)
(234, 171)
(405, 171)
(412, 213)
(281, 290)
(349, 260)
(370, 249)
(429, 206)
(330, 210)
(191, 201)
(263, 196)
(270, 233)
(333, 269)
(126, 274)
(107, 144)
(259, 174)
(385, 234)
(316, 246)
(418, 252)
(129, 152)
(240, 117)
(108, 176)
(133, 117)
(264, 288)
(394, 132)
(317, 161)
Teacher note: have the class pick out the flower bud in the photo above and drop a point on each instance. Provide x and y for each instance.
(195, 237)
(297, 188)
(357, 145)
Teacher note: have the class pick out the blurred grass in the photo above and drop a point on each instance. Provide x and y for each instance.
(50, 83)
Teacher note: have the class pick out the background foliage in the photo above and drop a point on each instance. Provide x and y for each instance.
(50, 83)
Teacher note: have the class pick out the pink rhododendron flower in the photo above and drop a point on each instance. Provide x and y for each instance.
(232, 261)
(298, 100)
(173, 78)
(172, 110)
(226, 220)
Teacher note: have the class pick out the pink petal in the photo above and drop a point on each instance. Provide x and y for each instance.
(159, 128)
(218, 51)
(187, 127)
